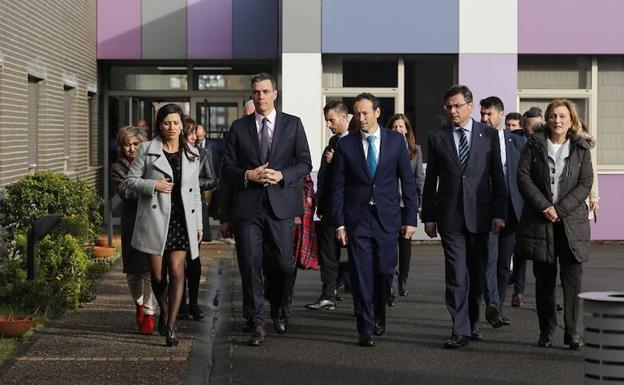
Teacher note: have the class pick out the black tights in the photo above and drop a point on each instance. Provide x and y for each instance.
(168, 292)
(193, 275)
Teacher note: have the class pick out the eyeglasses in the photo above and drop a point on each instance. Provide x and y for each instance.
(449, 107)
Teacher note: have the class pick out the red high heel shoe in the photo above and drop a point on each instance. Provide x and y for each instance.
(147, 327)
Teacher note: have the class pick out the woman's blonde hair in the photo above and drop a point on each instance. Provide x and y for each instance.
(576, 128)
(126, 133)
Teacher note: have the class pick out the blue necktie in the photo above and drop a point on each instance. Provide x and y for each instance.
(464, 152)
(371, 155)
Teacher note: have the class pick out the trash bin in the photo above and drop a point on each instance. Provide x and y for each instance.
(604, 337)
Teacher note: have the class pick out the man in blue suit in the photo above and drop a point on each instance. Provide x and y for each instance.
(501, 246)
(368, 165)
(464, 198)
(265, 160)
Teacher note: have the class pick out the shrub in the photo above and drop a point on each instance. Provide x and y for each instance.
(66, 274)
(49, 193)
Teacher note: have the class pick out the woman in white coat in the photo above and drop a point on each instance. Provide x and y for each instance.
(165, 177)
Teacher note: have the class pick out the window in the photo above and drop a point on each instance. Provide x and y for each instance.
(67, 121)
(93, 132)
(610, 136)
(33, 121)
(149, 78)
(427, 77)
(554, 72)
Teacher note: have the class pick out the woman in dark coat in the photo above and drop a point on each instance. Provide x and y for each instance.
(207, 181)
(134, 262)
(401, 124)
(555, 177)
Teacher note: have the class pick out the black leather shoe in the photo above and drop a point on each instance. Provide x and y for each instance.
(403, 289)
(545, 341)
(162, 325)
(456, 341)
(248, 327)
(573, 342)
(183, 312)
(257, 337)
(196, 312)
(323, 303)
(171, 339)
(506, 320)
(493, 316)
(280, 321)
(366, 341)
(475, 335)
(380, 325)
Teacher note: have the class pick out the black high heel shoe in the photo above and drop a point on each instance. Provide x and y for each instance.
(171, 339)
(196, 312)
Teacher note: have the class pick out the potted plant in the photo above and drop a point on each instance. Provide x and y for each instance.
(13, 325)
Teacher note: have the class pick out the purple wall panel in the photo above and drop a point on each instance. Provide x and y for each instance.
(611, 212)
(119, 29)
(209, 29)
(564, 26)
(490, 75)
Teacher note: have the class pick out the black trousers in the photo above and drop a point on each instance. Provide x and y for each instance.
(546, 281)
(329, 256)
(506, 246)
(264, 239)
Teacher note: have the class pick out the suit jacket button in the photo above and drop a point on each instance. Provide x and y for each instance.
(191, 189)
(153, 206)
(192, 211)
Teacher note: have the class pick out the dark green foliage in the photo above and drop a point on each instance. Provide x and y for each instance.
(66, 274)
(49, 193)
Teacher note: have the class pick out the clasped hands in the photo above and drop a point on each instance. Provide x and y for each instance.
(551, 214)
(264, 175)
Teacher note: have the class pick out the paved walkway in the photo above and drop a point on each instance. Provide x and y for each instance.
(98, 344)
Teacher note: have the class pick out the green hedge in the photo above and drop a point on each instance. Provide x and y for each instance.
(66, 274)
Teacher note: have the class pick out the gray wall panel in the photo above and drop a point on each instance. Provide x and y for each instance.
(255, 26)
(390, 26)
(163, 34)
(301, 26)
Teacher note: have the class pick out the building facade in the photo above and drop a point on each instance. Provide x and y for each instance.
(49, 90)
(128, 57)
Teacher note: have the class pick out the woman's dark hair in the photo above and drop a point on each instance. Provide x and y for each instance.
(411, 138)
(190, 125)
(168, 109)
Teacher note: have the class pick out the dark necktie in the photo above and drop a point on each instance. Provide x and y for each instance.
(464, 152)
(371, 155)
(264, 141)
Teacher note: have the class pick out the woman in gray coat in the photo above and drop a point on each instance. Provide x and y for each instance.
(165, 177)
(554, 177)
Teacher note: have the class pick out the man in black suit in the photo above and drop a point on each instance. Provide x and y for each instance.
(501, 246)
(328, 247)
(463, 198)
(265, 160)
(369, 163)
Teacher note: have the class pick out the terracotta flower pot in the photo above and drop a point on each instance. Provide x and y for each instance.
(17, 326)
(102, 252)
(102, 241)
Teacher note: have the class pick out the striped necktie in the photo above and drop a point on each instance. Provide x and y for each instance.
(264, 141)
(464, 151)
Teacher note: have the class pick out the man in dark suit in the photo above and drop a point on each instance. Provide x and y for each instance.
(464, 197)
(265, 160)
(501, 246)
(335, 113)
(369, 163)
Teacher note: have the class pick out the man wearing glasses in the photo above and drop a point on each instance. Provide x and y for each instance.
(464, 198)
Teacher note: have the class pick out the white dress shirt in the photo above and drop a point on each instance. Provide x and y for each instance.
(503, 149)
(270, 124)
(467, 130)
(377, 142)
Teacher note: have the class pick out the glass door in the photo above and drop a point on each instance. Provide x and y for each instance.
(216, 114)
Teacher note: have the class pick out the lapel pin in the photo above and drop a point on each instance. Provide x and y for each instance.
(481, 134)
